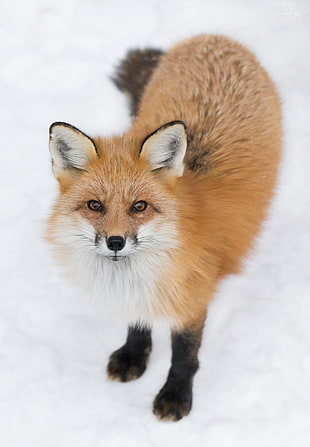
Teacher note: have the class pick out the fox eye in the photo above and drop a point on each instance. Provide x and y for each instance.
(94, 205)
(140, 206)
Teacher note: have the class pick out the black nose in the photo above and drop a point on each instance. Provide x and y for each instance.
(116, 243)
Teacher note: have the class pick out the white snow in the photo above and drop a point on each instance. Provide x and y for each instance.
(253, 386)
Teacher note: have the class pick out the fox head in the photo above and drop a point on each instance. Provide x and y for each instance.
(116, 211)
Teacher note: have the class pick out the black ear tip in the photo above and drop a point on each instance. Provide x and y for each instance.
(62, 124)
(56, 123)
(51, 128)
(182, 123)
(173, 123)
(170, 124)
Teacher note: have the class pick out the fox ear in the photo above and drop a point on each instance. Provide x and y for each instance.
(70, 149)
(166, 147)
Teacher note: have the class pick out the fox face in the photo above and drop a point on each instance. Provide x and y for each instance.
(114, 225)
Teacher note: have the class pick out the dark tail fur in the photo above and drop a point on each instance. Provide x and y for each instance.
(134, 72)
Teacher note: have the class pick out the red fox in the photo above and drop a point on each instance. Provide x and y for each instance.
(152, 220)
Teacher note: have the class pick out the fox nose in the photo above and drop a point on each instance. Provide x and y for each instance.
(116, 243)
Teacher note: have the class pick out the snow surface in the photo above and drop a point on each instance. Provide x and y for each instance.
(253, 386)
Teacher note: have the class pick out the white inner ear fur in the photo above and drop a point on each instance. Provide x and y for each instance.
(70, 148)
(166, 149)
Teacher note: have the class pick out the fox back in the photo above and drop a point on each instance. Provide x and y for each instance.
(151, 220)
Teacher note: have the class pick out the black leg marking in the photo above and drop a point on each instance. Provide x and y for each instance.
(129, 362)
(175, 398)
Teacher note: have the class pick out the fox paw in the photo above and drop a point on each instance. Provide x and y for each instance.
(171, 404)
(124, 366)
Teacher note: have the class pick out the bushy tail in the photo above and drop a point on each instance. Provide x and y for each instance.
(134, 72)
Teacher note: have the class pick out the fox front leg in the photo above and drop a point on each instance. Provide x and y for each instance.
(129, 362)
(175, 398)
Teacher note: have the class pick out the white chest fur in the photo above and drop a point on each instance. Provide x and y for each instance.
(128, 286)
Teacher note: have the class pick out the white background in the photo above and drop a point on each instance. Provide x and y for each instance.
(253, 386)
